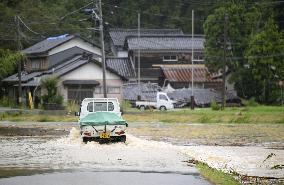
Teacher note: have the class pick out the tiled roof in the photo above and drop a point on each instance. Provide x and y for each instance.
(122, 66)
(47, 44)
(25, 77)
(201, 96)
(182, 73)
(118, 35)
(59, 70)
(180, 42)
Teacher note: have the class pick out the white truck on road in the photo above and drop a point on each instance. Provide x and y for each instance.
(100, 120)
(163, 102)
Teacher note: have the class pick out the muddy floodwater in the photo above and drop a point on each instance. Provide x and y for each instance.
(66, 160)
(155, 153)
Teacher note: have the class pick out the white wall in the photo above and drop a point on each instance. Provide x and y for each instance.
(91, 71)
(122, 54)
(76, 42)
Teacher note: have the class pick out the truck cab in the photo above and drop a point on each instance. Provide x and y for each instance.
(98, 105)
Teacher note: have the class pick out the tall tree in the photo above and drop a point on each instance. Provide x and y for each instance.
(266, 59)
(242, 21)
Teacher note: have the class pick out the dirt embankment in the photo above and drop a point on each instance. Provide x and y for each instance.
(35, 129)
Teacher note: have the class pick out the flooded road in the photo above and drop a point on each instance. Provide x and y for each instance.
(153, 153)
(137, 161)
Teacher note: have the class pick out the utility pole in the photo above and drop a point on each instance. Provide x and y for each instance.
(19, 48)
(103, 49)
(139, 70)
(192, 57)
(224, 62)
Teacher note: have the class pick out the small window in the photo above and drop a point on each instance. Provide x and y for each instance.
(163, 97)
(36, 64)
(170, 58)
(198, 58)
(100, 106)
(113, 90)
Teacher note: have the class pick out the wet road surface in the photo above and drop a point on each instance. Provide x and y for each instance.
(106, 178)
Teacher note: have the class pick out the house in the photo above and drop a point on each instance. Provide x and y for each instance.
(53, 50)
(118, 37)
(165, 56)
(77, 64)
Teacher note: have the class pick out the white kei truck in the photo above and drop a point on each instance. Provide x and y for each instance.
(163, 102)
(100, 120)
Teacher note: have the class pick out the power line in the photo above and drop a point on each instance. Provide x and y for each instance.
(29, 27)
(75, 11)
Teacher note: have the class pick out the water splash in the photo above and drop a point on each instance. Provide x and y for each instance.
(70, 152)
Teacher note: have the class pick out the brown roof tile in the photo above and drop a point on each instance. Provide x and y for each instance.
(182, 73)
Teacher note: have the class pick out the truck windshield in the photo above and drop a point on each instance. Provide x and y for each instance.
(100, 106)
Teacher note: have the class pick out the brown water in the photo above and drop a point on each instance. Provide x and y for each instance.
(137, 161)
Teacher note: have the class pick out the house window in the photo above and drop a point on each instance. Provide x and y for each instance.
(198, 58)
(78, 94)
(169, 58)
(35, 64)
(113, 90)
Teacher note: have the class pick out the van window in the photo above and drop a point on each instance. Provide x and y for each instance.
(100, 106)
(163, 97)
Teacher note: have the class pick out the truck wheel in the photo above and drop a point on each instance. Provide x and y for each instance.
(123, 139)
(85, 140)
(163, 108)
(142, 108)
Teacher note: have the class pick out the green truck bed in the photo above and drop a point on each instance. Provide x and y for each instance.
(102, 118)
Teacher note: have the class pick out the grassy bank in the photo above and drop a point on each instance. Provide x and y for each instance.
(216, 176)
(259, 114)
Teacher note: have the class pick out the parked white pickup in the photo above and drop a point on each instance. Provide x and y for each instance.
(163, 102)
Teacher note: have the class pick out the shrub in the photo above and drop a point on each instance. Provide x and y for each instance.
(251, 103)
(214, 105)
(3, 115)
(72, 106)
(7, 102)
(50, 84)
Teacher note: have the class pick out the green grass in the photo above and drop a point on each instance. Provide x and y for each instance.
(247, 115)
(258, 114)
(216, 176)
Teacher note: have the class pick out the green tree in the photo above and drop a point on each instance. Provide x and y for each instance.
(241, 23)
(266, 59)
(8, 62)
